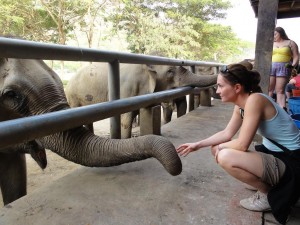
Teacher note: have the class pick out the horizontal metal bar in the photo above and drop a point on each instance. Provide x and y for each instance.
(29, 128)
(16, 48)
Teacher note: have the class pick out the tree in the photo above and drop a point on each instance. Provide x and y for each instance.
(17, 17)
(176, 29)
(64, 14)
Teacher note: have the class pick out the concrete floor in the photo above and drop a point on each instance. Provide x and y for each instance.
(143, 192)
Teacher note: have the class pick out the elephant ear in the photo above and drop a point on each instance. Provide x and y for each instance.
(186, 67)
(152, 77)
(151, 68)
(183, 70)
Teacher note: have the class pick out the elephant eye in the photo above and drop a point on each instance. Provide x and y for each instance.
(10, 94)
(11, 98)
(14, 100)
(170, 72)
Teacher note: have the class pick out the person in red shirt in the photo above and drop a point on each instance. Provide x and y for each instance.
(294, 83)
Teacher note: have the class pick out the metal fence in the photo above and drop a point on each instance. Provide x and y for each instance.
(25, 129)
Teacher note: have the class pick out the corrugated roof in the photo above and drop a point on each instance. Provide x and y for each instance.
(286, 8)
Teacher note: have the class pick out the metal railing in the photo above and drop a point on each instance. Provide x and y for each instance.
(25, 129)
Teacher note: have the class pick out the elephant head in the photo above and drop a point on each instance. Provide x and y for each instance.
(30, 87)
(168, 77)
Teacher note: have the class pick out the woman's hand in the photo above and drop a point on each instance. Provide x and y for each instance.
(185, 149)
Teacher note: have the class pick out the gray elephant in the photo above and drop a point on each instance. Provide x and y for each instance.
(90, 85)
(181, 103)
(30, 87)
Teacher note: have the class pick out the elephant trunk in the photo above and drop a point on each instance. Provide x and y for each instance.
(191, 79)
(83, 147)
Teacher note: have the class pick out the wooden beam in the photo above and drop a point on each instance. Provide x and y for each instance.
(286, 9)
(267, 14)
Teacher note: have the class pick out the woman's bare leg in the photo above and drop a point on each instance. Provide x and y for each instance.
(244, 166)
(272, 84)
(280, 86)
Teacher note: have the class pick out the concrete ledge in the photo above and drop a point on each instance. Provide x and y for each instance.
(139, 193)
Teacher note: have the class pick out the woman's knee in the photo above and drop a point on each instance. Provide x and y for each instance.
(226, 157)
(280, 89)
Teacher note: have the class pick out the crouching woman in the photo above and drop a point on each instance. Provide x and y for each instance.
(274, 169)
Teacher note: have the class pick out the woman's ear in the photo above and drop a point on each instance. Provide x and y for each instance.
(238, 88)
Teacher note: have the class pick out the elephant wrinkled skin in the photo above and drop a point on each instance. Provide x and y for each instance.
(90, 85)
(30, 87)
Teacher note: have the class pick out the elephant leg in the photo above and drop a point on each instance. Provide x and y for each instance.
(126, 124)
(181, 105)
(13, 179)
(136, 121)
(167, 111)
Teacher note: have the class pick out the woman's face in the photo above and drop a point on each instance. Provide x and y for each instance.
(276, 36)
(226, 90)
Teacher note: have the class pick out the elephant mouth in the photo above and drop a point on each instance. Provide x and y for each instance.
(59, 107)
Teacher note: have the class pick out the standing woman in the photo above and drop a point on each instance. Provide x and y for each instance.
(273, 172)
(285, 51)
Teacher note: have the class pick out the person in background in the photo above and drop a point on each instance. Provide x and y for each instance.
(294, 83)
(285, 52)
(271, 171)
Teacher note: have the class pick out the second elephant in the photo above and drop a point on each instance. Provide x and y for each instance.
(90, 85)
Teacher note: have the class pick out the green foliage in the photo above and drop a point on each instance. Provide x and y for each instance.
(11, 22)
(64, 14)
(172, 28)
(204, 10)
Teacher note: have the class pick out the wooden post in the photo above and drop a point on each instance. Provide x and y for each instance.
(150, 120)
(267, 15)
(205, 97)
(196, 97)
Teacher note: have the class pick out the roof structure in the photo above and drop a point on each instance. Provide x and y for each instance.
(286, 8)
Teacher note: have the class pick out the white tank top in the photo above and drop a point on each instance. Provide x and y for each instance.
(281, 128)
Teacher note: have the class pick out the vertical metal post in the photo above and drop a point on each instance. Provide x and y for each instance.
(114, 94)
(191, 96)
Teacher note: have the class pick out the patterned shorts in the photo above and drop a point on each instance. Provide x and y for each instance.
(279, 70)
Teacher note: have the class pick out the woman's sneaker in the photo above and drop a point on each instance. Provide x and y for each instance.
(258, 202)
